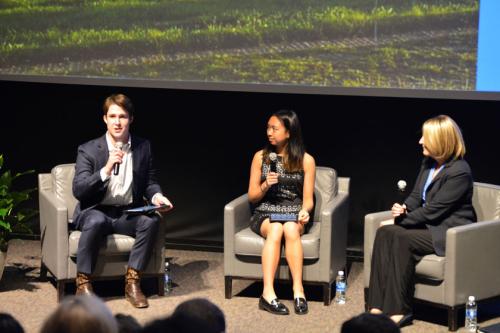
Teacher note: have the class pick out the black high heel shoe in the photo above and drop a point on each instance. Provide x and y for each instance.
(300, 306)
(406, 320)
(275, 307)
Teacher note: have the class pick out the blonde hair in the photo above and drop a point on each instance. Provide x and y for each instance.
(443, 138)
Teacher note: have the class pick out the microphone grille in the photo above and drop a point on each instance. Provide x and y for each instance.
(273, 157)
(119, 145)
(401, 185)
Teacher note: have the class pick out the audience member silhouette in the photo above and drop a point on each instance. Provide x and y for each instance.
(194, 315)
(370, 323)
(9, 324)
(81, 314)
(127, 324)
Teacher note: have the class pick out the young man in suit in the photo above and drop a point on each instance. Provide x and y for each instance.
(115, 172)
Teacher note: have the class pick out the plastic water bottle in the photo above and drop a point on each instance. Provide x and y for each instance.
(168, 278)
(340, 287)
(471, 315)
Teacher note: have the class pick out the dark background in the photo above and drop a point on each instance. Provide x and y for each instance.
(204, 142)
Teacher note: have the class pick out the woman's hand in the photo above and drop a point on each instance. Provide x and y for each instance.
(271, 179)
(303, 217)
(398, 210)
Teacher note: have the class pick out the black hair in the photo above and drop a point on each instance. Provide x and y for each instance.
(295, 149)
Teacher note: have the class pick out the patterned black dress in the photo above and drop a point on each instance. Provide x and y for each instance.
(284, 197)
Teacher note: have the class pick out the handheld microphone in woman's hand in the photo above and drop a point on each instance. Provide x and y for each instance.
(273, 157)
(401, 191)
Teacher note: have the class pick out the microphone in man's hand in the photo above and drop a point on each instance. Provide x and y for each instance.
(116, 166)
(272, 158)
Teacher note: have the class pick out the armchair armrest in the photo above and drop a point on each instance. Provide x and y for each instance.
(372, 223)
(237, 215)
(472, 266)
(333, 236)
(54, 233)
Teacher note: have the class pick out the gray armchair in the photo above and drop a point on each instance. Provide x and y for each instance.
(471, 264)
(59, 243)
(324, 246)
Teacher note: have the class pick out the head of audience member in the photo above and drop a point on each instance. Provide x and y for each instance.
(160, 326)
(81, 314)
(442, 139)
(127, 324)
(284, 130)
(370, 323)
(199, 315)
(194, 315)
(9, 324)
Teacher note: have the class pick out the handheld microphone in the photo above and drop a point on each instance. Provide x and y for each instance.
(116, 166)
(273, 157)
(401, 190)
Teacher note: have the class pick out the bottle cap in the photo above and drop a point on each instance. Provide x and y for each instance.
(472, 298)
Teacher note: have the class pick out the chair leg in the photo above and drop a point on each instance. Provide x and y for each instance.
(366, 298)
(327, 293)
(161, 285)
(348, 267)
(43, 272)
(60, 290)
(453, 318)
(228, 286)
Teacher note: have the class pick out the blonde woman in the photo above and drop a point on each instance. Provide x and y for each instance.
(441, 199)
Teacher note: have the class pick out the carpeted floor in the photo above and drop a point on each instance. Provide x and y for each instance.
(200, 274)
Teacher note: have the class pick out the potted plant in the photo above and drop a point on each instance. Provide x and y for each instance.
(13, 218)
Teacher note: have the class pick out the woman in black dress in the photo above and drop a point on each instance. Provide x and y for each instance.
(282, 181)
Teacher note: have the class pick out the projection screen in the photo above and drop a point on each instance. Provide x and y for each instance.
(423, 48)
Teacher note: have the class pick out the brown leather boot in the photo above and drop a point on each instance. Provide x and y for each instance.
(133, 290)
(83, 285)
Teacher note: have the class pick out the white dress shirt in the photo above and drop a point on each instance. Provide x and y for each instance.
(119, 192)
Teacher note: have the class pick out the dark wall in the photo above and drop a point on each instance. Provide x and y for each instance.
(204, 141)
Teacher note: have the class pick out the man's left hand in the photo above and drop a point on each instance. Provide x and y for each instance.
(160, 200)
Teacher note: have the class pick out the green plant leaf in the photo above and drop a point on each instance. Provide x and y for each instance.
(19, 197)
(3, 190)
(25, 214)
(11, 218)
(6, 179)
(19, 174)
(22, 228)
(4, 212)
(5, 225)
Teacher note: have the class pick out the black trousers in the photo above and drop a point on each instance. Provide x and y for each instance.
(396, 251)
(101, 221)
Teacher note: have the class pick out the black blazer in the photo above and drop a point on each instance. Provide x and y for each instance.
(88, 187)
(448, 201)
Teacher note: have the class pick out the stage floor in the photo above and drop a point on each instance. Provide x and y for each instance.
(200, 274)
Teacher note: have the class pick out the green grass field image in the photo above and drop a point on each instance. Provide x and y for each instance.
(428, 44)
